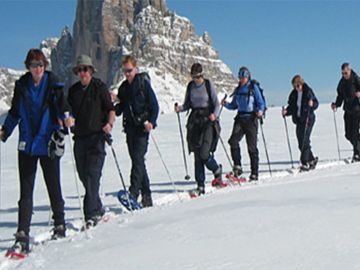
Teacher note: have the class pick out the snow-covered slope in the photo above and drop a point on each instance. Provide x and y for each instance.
(289, 221)
(7, 82)
(46, 46)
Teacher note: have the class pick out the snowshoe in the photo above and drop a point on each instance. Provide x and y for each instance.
(124, 197)
(218, 183)
(235, 180)
(21, 247)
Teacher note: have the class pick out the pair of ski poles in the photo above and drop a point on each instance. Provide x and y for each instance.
(307, 120)
(288, 137)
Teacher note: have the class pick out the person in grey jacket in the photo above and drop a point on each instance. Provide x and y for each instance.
(203, 128)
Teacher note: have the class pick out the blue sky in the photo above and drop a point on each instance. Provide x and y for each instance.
(275, 39)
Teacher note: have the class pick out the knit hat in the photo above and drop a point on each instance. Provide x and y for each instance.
(83, 60)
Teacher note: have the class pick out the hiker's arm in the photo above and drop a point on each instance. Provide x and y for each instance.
(259, 99)
(232, 105)
(214, 100)
(154, 105)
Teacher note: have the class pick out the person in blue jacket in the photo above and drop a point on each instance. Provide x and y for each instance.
(250, 105)
(38, 107)
(301, 106)
(140, 109)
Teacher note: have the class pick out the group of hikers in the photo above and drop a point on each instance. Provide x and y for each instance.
(45, 116)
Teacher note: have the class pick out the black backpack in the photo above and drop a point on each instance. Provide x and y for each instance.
(139, 119)
(142, 77)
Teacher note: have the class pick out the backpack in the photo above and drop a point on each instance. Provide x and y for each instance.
(143, 76)
(252, 91)
(139, 119)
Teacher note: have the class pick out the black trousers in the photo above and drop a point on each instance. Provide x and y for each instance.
(245, 126)
(27, 172)
(137, 143)
(303, 134)
(203, 156)
(89, 156)
(352, 124)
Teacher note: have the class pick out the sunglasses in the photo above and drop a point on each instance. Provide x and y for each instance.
(128, 71)
(82, 69)
(36, 65)
(196, 77)
(244, 74)
(344, 73)
(298, 85)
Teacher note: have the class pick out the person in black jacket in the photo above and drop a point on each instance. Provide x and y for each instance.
(139, 106)
(94, 115)
(348, 93)
(301, 106)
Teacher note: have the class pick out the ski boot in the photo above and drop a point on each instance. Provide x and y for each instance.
(253, 177)
(58, 232)
(218, 182)
(313, 163)
(146, 201)
(21, 247)
(356, 158)
(237, 170)
(199, 191)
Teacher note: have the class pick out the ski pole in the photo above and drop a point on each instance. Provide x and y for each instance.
(187, 176)
(305, 132)
(220, 138)
(166, 168)
(109, 141)
(76, 182)
(337, 135)
(222, 106)
(266, 151)
(102, 179)
(49, 218)
(226, 152)
(288, 140)
(0, 180)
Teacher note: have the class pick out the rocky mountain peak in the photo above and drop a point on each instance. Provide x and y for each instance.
(165, 44)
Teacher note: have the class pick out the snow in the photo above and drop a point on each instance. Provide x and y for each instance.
(288, 221)
(7, 82)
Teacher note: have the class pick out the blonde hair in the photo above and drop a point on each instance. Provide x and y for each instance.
(297, 80)
(129, 59)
